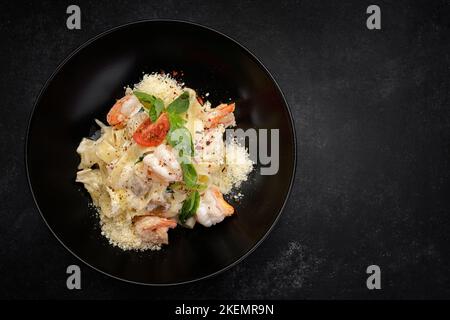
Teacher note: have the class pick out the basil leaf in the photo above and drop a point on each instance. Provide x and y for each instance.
(153, 104)
(190, 206)
(189, 174)
(181, 186)
(185, 211)
(159, 107)
(176, 121)
(181, 140)
(141, 157)
(144, 97)
(200, 187)
(180, 104)
(196, 203)
(155, 109)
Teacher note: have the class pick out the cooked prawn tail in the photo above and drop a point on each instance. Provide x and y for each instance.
(119, 114)
(227, 208)
(222, 114)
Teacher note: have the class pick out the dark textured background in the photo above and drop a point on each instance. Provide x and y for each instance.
(371, 110)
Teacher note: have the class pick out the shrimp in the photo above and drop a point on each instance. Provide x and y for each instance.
(213, 208)
(162, 164)
(123, 110)
(152, 229)
(222, 114)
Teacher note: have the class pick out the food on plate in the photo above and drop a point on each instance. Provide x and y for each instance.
(161, 162)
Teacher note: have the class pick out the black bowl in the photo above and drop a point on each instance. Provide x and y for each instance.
(83, 88)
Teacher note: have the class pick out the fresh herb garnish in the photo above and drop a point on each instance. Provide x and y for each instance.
(176, 121)
(190, 206)
(200, 187)
(182, 186)
(153, 104)
(181, 140)
(189, 175)
(180, 104)
(156, 109)
(141, 157)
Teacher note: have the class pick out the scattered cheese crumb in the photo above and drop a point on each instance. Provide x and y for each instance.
(238, 196)
(237, 167)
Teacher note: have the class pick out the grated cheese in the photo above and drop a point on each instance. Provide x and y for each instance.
(237, 167)
(162, 86)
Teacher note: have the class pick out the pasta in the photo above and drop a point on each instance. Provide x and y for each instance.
(161, 162)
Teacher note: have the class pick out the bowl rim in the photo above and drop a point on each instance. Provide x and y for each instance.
(177, 21)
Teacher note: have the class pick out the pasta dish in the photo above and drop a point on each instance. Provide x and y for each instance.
(161, 162)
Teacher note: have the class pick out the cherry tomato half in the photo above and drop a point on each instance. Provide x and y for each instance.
(151, 134)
